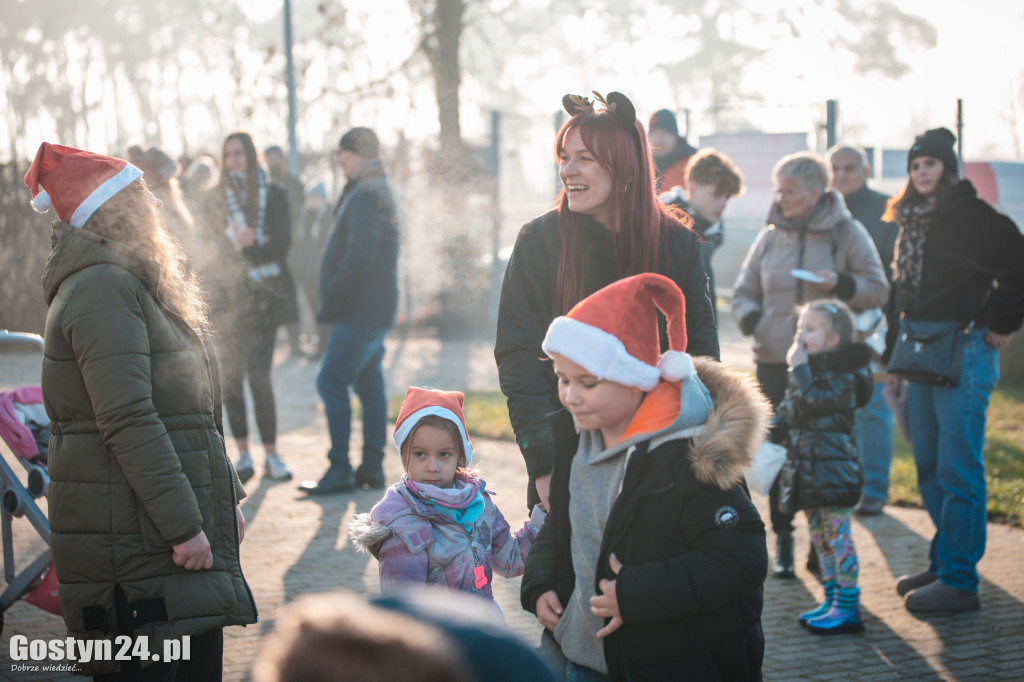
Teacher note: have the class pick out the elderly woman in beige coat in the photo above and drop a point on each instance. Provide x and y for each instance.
(810, 229)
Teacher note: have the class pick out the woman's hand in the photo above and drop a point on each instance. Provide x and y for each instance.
(829, 280)
(997, 341)
(549, 609)
(895, 385)
(543, 484)
(240, 519)
(606, 604)
(245, 237)
(194, 554)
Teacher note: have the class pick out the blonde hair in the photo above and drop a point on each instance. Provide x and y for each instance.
(131, 218)
(807, 169)
(836, 315)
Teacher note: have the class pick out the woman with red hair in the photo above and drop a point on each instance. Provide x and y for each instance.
(606, 224)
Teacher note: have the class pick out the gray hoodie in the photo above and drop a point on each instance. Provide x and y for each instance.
(595, 482)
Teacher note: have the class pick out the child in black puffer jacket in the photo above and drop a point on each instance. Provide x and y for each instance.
(829, 378)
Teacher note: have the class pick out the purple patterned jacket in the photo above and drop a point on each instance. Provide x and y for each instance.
(416, 544)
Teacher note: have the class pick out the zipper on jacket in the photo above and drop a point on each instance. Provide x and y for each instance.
(213, 397)
(479, 571)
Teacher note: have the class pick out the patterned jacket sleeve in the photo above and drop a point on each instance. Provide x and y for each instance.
(508, 550)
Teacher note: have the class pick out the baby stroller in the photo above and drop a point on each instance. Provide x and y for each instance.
(24, 432)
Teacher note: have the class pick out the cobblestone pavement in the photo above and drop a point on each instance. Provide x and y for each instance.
(296, 545)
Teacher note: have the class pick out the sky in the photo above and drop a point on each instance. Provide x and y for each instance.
(978, 57)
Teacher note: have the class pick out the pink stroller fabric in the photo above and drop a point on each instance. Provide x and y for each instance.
(13, 429)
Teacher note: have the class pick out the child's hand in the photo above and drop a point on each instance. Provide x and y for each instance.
(606, 604)
(549, 609)
(797, 354)
(246, 237)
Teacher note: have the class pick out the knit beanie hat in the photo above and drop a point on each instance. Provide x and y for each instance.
(938, 143)
(613, 333)
(75, 182)
(420, 402)
(664, 119)
(362, 141)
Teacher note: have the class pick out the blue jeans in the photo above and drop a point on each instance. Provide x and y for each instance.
(873, 431)
(947, 428)
(579, 673)
(353, 357)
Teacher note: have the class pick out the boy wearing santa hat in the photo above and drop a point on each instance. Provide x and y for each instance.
(653, 557)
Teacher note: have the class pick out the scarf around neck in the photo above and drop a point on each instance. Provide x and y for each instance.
(914, 222)
(237, 198)
(463, 502)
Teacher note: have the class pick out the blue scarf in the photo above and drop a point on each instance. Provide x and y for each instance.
(463, 502)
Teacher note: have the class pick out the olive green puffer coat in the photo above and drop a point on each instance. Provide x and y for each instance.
(137, 461)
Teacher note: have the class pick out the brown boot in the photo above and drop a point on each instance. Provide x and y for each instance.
(936, 597)
(911, 582)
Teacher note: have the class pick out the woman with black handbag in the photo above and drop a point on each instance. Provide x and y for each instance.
(252, 292)
(959, 289)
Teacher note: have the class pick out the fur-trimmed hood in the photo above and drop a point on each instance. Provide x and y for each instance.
(722, 410)
(735, 427)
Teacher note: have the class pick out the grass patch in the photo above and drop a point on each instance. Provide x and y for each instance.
(1004, 461)
(486, 415)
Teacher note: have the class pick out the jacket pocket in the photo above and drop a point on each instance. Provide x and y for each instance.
(196, 467)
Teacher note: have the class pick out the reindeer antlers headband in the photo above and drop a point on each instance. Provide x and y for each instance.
(617, 105)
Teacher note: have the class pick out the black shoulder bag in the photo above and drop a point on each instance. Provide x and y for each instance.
(929, 351)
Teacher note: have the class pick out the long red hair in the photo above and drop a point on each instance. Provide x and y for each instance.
(637, 215)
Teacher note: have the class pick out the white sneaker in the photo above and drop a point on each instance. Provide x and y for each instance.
(277, 470)
(243, 467)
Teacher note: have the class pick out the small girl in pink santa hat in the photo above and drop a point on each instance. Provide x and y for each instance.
(652, 561)
(438, 524)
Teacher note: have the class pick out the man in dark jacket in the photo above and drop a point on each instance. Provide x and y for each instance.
(874, 430)
(358, 299)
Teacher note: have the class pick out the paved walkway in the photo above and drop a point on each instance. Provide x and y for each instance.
(296, 545)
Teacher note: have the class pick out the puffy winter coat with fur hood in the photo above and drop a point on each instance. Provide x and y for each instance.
(823, 467)
(136, 461)
(691, 541)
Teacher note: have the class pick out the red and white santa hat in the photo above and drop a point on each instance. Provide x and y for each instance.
(75, 182)
(613, 333)
(420, 402)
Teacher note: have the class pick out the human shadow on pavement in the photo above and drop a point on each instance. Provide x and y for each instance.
(989, 638)
(792, 651)
(329, 561)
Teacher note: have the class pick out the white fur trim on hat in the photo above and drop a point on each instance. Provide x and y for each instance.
(598, 352)
(41, 202)
(676, 365)
(406, 427)
(103, 193)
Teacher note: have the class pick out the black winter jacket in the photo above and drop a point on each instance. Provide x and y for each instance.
(359, 269)
(968, 245)
(225, 268)
(822, 466)
(691, 542)
(529, 304)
